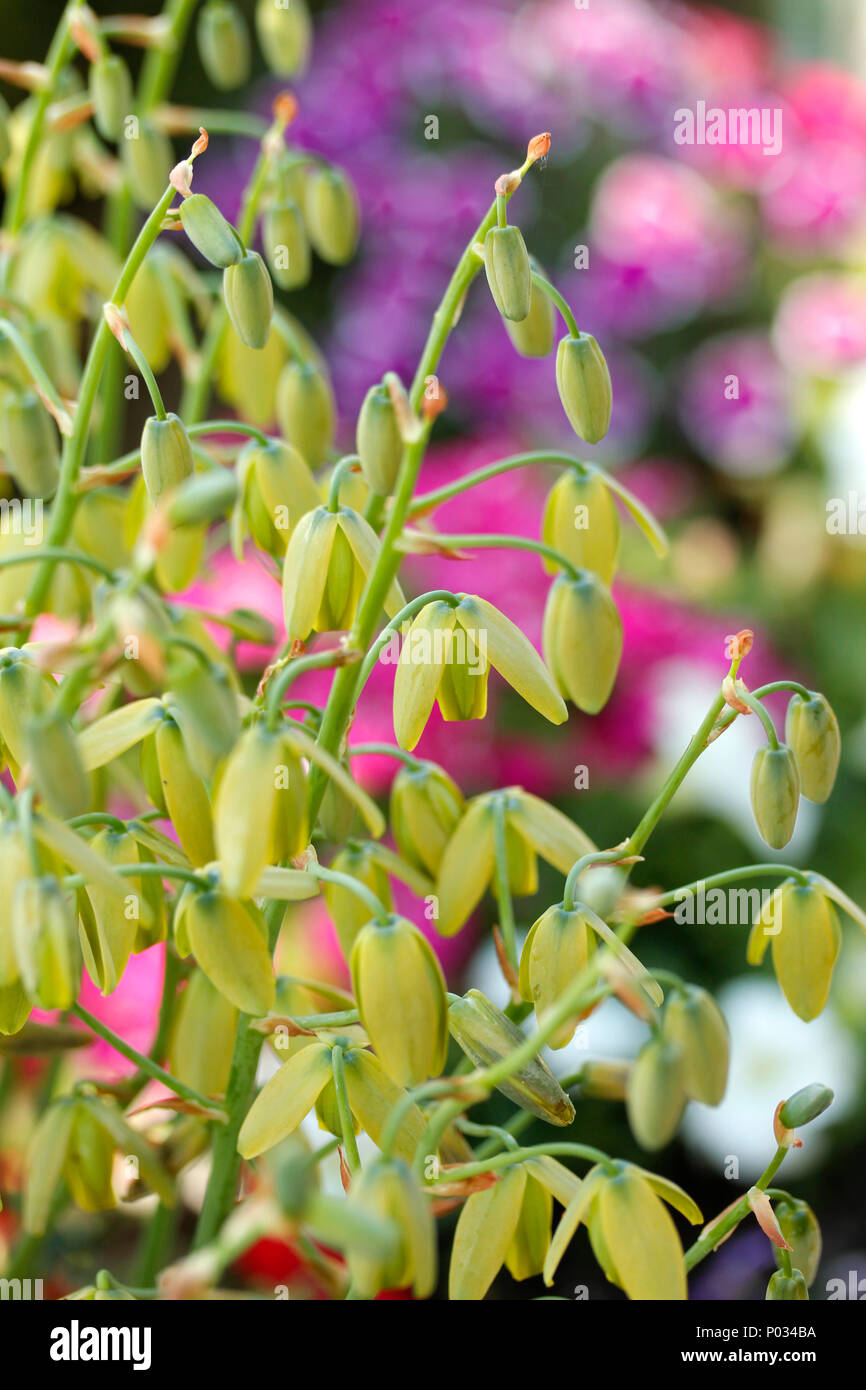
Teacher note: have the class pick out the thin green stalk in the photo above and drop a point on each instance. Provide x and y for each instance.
(150, 1068)
(354, 885)
(58, 55)
(386, 750)
(504, 1160)
(278, 684)
(756, 706)
(501, 884)
(347, 1124)
(706, 1244)
(492, 541)
(341, 468)
(562, 305)
(728, 876)
(427, 501)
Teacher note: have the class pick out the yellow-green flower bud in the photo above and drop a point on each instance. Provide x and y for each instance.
(639, 1239)
(389, 1190)
(210, 232)
(111, 94)
(166, 455)
(812, 734)
(506, 262)
(533, 336)
(695, 1024)
(400, 991)
(305, 410)
(22, 694)
(285, 1099)
(804, 929)
(45, 931)
(527, 1252)
(805, 1105)
(378, 440)
(56, 766)
(799, 1226)
(775, 791)
(89, 1161)
(426, 806)
(487, 1035)
(554, 953)
(485, 1232)
(184, 794)
(582, 639)
(583, 381)
(285, 34)
(109, 926)
(15, 867)
(15, 1008)
(229, 947)
(604, 1080)
(148, 158)
(287, 487)
(327, 559)
(29, 442)
(46, 1157)
(655, 1097)
(581, 522)
(291, 824)
(284, 236)
(338, 814)
(245, 807)
(332, 216)
(787, 1288)
(249, 298)
(348, 911)
(223, 44)
(202, 1041)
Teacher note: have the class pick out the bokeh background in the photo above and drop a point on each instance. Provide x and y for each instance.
(691, 265)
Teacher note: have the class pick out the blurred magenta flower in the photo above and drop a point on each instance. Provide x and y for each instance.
(820, 324)
(735, 405)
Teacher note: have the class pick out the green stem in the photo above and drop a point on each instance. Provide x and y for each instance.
(38, 373)
(141, 362)
(562, 304)
(729, 876)
(511, 1156)
(56, 59)
(227, 427)
(341, 468)
(160, 64)
(427, 501)
(386, 750)
(380, 913)
(150, 1068)
(347, 1124)
(501, 884)
(278, 684)
(56, 554)
(491, 541)
(756, 706)
(414, 606)
(155, 1251)
(708, 1243)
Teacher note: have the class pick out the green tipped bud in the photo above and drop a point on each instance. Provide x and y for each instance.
(788, 1289)
(812, 733)
(655, 1098)
(305, 410)
(775, 791)
(533, 336)
(695, 1024)
(224, 44)
(332, 216)
(328, 558)
(111, 94)
(202, 1042)
(285, 35)
(487, 1036)
(45, 932)
(554, 953)
(400, 991)
(29, 442)
(582, 639)
(338, 814)
(56, 766)
(166, 455)
(799, 1225)
(287, 248)
(426, 806)
(229, 947)
(805, 1105)
(202, 498)
(378, 440)
(210, 232)
(148, 158)
(208, 706)
(89, 1161)
(509, 275)
(249, 298)
(184, 794)
(581, 522)
(388, 1189)
(583, 381)
(245, 807)
(285, 483)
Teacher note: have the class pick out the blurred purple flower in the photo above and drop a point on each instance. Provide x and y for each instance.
(735, 405)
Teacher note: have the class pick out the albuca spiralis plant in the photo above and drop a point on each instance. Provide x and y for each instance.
(154, 799)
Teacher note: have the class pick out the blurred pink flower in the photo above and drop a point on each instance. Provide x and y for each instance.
(735, 405)
(820, 325)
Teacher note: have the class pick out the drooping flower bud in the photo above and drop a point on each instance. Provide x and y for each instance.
(348, 911)
(245, 807)
(15, 867)
(249, 298)
(400, 991)
(804, 929)
(184, 794)
(224, 44)
(332, 215)
(695, 1024)
(108, 927)
(655, 1098)
(45, 932)
(426, 806)
(485, 1234)
(89, 1161)
(805, 1105)
(812, 734)
(787, 1288)
(15, 1008)
(533, 336)
(111, 94)
(22, 693)
(284, 237)
(29, 442)
(487, 1035)
(509, 275)
(46, 1157)
(378, 440)
(166, 455)
(209, 232)
(775, 791)
(604, 1080)
(328, 557)
(554, 953)
(284, 482)
(305, 410)
(799, 1225)
(639, 1238)
(56, 767)
(202, 1040)
(388, 1189)
(582, 639)
(148, 157)
(581, 522)
(228, 944)
(285, 34)
(583, 381)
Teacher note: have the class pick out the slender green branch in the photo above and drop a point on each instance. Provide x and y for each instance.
(347, 1123)
(491, 541)
(495, 1163)
(145, 1064)
(427, 501)
(501, 883)
(707, 1243)
(556, 298)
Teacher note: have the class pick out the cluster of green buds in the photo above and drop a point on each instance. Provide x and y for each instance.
(685, 1059)
(805, 764)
